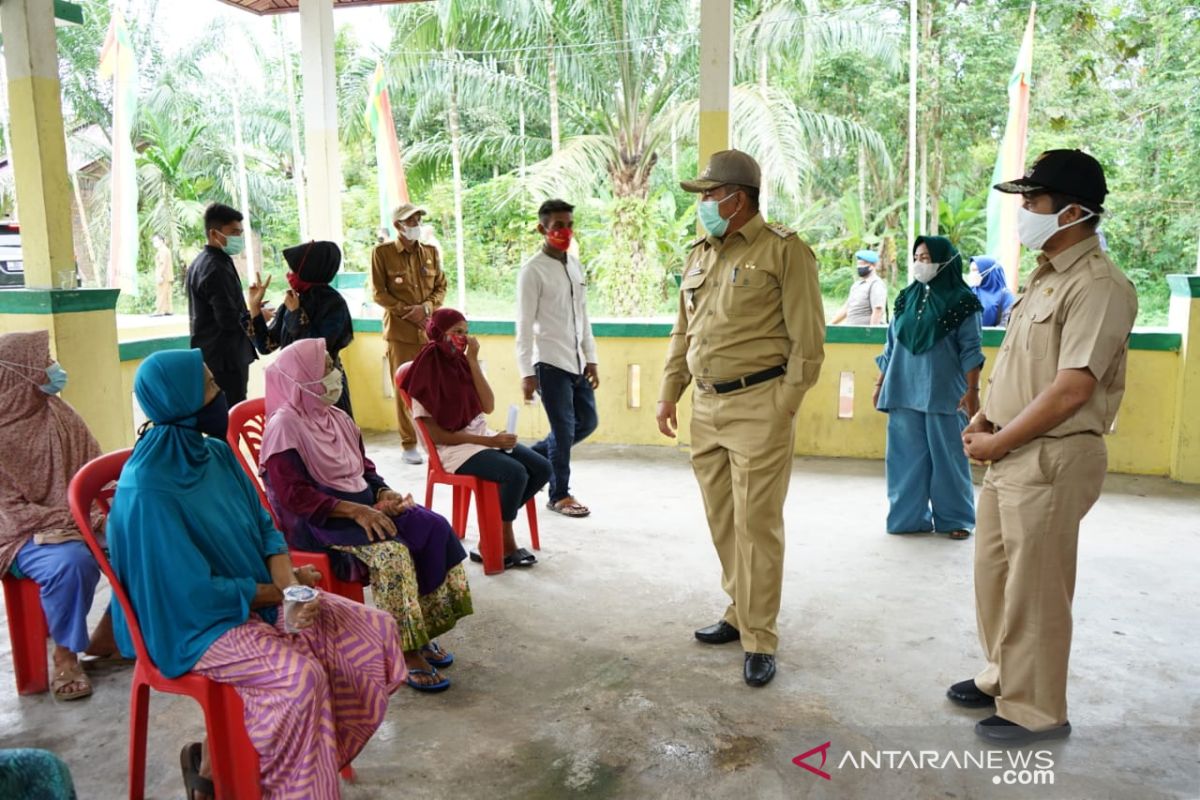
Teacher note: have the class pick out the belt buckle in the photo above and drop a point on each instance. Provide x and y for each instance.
(705, 386)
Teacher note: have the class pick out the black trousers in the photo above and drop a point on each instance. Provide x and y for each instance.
(233, 382)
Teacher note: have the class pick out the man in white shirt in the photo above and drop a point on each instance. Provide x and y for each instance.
(868, 294)
(556, 353)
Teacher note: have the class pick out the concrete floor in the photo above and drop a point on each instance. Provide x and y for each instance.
(580, 678)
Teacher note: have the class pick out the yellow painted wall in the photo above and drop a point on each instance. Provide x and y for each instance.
(1142, 443)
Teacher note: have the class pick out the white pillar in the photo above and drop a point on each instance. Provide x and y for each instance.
(716, 77)
(324, 167)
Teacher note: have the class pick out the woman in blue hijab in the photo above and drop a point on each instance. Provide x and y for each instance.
(205, 572)
(988, 282)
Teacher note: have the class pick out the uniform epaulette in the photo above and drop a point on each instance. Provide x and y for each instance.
(782, 231)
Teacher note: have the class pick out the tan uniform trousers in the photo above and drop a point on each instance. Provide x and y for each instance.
(742, 451)
(400, 353)
(162, 300)
(1027, 532)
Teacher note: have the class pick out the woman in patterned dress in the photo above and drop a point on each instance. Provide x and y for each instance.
(205, 571)
(328, 496)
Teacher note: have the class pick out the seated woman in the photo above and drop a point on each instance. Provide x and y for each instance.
(989, 283)
(929, 387)
(451, 395)
(44, 443)
(312, 309)
(205, 572)
(326, 494)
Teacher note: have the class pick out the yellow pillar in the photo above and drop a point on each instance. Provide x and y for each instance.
(82, 323)
(324, 165)
(1185, 318)
(716, 77)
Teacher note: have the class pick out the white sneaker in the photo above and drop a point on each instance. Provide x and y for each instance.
(413, 456)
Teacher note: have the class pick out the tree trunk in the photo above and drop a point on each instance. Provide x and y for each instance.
(636, 288)
(90, 278)
(764, 192)
(297, 146)
(239, 148)
(456, 168)
(552, 78)
(519, 71)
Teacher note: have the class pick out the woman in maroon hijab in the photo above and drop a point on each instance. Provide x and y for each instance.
(451, 396)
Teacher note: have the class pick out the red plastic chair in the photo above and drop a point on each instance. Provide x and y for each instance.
(491, 542)
(246, 421)
(234, 759)
(27, 632)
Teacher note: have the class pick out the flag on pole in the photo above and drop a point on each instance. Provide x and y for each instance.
(393, 187)
(117, 62)
(1002, 241)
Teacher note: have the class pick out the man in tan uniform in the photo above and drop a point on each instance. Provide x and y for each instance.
(407, 280)
(1052, 396)
(751, 333)
(164, 277)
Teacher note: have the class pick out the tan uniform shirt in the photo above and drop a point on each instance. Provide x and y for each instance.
(1076, 313)
(164, 272)
(406, 273)
(747, 304)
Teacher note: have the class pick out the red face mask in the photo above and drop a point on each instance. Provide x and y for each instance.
(297, 284)
(559, 238)
(459, 341)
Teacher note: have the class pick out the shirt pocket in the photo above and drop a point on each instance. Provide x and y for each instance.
(749, 292)
(1043, 329)
(690, 285)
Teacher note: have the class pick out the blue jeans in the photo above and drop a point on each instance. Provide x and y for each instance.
(570, 407)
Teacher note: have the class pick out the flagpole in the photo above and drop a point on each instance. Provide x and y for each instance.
(912, 126)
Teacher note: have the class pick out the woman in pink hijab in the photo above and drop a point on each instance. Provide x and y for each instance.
(328, 497)
(44, 444)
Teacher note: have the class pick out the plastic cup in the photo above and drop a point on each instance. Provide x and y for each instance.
(294, 599)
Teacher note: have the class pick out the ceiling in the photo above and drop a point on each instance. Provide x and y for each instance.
(287, 6)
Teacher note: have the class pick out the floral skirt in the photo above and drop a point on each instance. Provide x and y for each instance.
(421, 618)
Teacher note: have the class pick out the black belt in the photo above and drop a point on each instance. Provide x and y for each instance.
(743, 383)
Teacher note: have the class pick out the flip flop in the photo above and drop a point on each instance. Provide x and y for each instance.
(440, 686)
(571, 509)
(114, 659)
(959, 535)
(193, 781)
(517, 558)
(64, 678)
(431, 650)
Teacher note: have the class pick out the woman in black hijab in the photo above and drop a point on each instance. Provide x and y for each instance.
(311, 308)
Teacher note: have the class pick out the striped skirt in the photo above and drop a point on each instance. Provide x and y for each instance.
(312, 699)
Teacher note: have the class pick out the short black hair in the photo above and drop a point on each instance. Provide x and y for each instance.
(553, 207)
(751, 193)
(218, 215)
(1061, 201)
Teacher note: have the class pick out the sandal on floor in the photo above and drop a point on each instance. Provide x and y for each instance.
(436, 656)
(517, 558)
(193, 781)
(959, 535)
(64, 678)
(440, 686)
(568, 507)
(114, 659)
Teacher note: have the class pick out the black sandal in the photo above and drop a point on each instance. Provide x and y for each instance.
(193, 781)
(519, 558)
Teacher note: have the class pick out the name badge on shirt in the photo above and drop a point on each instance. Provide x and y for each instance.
(696, 271)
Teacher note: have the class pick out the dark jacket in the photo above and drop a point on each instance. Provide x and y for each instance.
(217, 312)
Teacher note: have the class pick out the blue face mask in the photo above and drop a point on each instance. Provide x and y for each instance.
(56, 379)
(710, 216)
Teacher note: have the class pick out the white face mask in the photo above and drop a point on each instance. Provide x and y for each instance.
(925, 271)
(333, 387)
(974, 279)
(418, 233)
(1034, 230)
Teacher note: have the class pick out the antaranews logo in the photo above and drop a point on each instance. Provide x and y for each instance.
(1011, 768)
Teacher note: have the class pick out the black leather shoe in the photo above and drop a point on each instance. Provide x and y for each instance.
(721, 633)
(758, 669)
(998, 730)
(968, 695)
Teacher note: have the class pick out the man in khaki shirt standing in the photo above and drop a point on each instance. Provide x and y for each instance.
(750, 333)
(1052, 396)
(407, 280)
